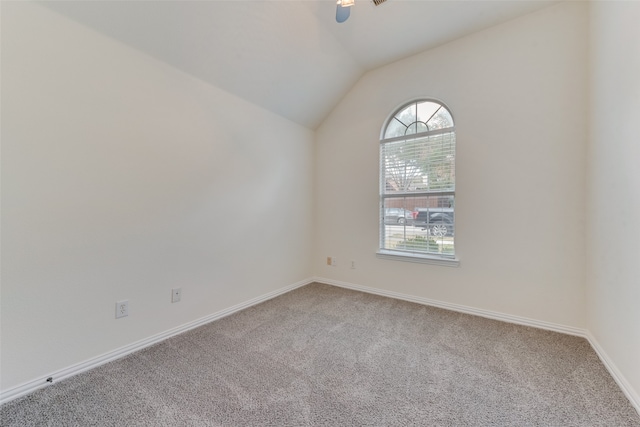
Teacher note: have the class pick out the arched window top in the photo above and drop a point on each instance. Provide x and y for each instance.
(418, 117)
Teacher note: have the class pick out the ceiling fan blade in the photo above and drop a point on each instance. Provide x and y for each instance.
(342, 13)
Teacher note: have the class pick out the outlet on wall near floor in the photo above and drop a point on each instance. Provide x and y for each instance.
(332, 261)
(176, 294)
(122, 309)
(353, 264)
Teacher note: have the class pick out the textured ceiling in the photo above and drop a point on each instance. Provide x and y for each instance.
(290, 57)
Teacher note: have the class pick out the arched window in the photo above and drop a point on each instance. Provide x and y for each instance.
(417, 182)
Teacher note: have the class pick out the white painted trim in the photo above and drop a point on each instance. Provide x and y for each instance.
(422, 259)
(33, 385)
(624, 385)
(570, 330)
(622, 382)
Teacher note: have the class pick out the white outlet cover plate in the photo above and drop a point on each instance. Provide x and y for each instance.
(176, 294)
(122, 309)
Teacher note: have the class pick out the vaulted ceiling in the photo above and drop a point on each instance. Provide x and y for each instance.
(290, 57)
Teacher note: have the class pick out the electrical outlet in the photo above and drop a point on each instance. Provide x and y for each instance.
(122, 309)
(353, 264)
(176, 294)
(328, 260)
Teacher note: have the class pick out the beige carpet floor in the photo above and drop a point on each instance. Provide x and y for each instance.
(326, 356)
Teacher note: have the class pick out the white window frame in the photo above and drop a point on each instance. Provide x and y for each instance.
(449, 260)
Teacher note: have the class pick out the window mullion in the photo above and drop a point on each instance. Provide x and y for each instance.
(417, 194)
(418, 135)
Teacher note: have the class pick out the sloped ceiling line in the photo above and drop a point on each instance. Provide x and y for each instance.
(289, 57)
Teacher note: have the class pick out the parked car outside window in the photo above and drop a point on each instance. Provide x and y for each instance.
(394, 216)
(438, 221)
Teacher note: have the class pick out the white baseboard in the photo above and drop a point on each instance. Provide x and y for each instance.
(570, 330)
(59, 375)
(31, 386)
(624, 385)
(622, 382)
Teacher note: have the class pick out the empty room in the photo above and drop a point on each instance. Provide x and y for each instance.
(305, 213)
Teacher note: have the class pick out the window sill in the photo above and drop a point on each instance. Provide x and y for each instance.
(419, 258)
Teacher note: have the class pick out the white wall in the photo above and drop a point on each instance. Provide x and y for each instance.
(518, 93)
(613, 264)
(123, 178)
